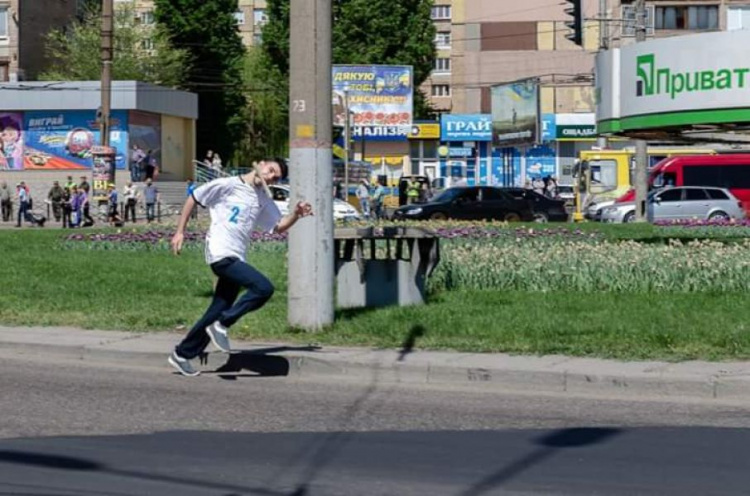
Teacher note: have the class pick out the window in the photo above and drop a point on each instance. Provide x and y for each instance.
(257, 39)
(469, 195)
(717, 194)
(259, 17)
(239, 16)
(695, 194)
(738, 18)
(671, 195)
(147, 44)
(493, 194)
(3, 23)
(429, 149)
(442, 64)
(687, 17)
(147, 17)
(440, 12)
(415, 149)
(443, 39)
(603, 173)
(721, 176)
(441, 90)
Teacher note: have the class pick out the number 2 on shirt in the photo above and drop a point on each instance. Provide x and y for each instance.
(235, 213)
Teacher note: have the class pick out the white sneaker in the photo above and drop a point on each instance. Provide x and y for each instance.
(218, 335)
(183, 365)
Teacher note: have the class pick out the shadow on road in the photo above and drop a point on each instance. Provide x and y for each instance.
(549, 444)
(259, 362)
(72, 463)
(333, 443)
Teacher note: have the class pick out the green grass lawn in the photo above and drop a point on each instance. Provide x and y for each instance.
(44, 284)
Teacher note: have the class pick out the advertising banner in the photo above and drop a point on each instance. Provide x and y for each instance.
(377, 95)
(683, 81)
(427, 130)
(103, 172)
(549, 128)
(572, 127)
(541, 161)
(11, 141)
(515, 113)
(466, 127)
(698, 72)
(381, 133)
(63, 140)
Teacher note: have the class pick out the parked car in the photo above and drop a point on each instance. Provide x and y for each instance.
(341, 209)
(543, 207)
(470, 203)
(687, 202)
(594, 210)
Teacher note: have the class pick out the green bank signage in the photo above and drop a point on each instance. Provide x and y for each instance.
(653, 79)
(674, 82)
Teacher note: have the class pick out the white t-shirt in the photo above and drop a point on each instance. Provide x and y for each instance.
(236, 208)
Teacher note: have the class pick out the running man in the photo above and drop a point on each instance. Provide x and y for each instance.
(237, 205)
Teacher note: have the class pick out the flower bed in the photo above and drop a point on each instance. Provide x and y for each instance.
(493, 256)
(626, 266)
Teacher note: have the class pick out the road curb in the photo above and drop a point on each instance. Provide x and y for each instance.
(560, 375)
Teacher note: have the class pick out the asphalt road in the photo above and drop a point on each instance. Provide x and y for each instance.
(73, 428)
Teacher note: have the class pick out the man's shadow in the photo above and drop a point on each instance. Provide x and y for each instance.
(256, 363)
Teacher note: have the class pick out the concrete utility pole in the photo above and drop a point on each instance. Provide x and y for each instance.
(107, 43)
(641, 150)
(311, 257)
(602, 141)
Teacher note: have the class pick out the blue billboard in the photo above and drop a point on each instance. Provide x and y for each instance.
(63, 140)
(376, 95)
(466, 127)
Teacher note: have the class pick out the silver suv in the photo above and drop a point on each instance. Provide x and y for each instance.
(684, 202)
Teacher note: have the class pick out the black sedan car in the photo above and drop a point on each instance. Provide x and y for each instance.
(470, 203)
(544, 208)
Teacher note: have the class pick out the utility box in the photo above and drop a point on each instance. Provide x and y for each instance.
(383, 266)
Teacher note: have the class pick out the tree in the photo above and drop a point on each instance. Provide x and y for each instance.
(366, 32)
(266, 126)
(141, 53)
(208, 30)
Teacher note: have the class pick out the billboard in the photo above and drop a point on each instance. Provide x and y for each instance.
(692, 80)
(11, 141)
(63, 140)
(515, 113)
(466, 127)
(378, 95)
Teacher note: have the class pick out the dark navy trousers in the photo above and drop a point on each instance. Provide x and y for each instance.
(233, 274)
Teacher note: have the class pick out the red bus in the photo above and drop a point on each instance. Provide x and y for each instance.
(723, 171)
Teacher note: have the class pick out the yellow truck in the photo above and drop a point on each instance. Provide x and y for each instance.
(605, 175)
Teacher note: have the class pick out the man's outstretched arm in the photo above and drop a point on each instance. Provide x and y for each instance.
(179, 236)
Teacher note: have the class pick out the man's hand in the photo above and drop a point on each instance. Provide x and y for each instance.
(177, 240)
(303, 209)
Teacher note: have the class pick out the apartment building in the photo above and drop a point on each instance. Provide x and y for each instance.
(22, 24)
(481, 43)
(250, 16)
(484, 43)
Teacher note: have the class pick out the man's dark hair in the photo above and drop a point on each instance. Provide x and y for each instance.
(282, 165)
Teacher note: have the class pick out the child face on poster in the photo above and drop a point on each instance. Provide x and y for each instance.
(9, 136)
